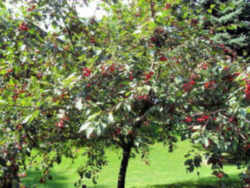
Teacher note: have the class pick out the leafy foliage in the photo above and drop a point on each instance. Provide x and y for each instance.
(138, 76)
(228, 20)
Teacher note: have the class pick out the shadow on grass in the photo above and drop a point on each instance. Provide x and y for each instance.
(33, 180)
(208, 182)
(58, 181)
(98, 186)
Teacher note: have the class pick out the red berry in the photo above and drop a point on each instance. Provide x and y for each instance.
(191, 82)
(203, 118)
(31, 8)
(163, 58)
(142, 97)
(247, 180)
(131, 76)
(220, 175)
(92, 40)
(188, 119)
(39, 75)
(247, 147)
(194, 22)
(204, 66)
(19, 127)
(137, 14)
(88, 98)
(209, 85)
(118, 131)
(130, 132)
(247, 91)
(65, 118)
(167, 6)
(60, 124)
(86, 72)
(153, 39)
(23, 27)
(159, 30)
(149, 75)
(112, 68)
(221, 46)
(188, 86)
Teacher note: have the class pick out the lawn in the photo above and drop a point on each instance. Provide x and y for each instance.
(166, 170)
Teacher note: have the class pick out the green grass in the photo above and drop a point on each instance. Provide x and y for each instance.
(166, 170)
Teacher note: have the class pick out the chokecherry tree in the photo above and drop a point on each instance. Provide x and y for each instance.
(137, 76)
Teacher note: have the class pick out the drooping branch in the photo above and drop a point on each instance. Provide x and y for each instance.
(152, 8)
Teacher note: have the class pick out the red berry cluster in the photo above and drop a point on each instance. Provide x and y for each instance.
(148, 76)
(231, 77)
(163, 58)
(203, 118)
(247, 91)
(86, 72)
(142, 97)
(31, 8)
(23, 27)
(131, 76)
(112, 68)
(219, 175)
(188, 86)
(204, 66)
(247, 147)
(210, 85)
(167, 6)
(92, 40)
(188, 119)
(60, 124)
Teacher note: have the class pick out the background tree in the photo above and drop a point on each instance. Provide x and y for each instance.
(228, 20)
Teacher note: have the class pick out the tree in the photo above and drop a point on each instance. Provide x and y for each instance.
(133, 78)
(229, 20)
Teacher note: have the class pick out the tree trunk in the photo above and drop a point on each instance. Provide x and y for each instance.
(10, 178)
(7, 185)
(123, 167)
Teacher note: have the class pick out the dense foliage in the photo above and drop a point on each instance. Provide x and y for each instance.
(229, 20)
(137, 76)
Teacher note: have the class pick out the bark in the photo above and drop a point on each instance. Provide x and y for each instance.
(123, 166)
(7, 185)
(2, 162)
(10, 179)
(128, 146)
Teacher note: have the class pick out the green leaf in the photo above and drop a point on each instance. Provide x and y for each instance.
(27, 119)
(31, 117)
(111, 117)
(248, 110)
(2, 101)
(93, 116)
(70, 81)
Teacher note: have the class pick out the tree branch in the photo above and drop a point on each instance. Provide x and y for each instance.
(3, 161)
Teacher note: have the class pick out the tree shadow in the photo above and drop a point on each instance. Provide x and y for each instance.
(33, 180)
(58, 181)
(207, 182)
(98, 186)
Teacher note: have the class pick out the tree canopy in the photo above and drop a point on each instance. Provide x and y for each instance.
(137, 76)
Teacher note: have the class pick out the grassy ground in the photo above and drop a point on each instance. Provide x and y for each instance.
(166, 170)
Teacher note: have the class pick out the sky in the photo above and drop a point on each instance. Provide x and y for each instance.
(92, 10)
(84, 11)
